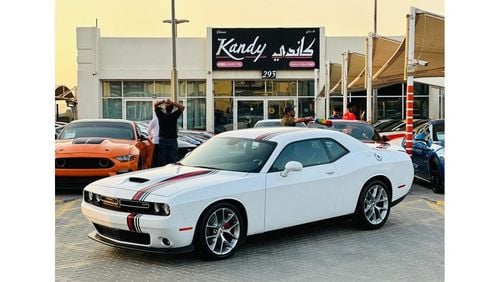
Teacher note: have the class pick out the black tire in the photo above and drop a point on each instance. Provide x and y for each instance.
(374, 206)
(210, 232)
(437, 183)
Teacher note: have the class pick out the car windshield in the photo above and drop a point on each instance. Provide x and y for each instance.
(438, 134)
(361, 131)
(240, 154)
(115, 130)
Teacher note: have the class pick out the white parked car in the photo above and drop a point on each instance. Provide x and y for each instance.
(246, 182)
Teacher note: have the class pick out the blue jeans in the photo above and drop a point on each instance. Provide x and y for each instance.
(167, 151)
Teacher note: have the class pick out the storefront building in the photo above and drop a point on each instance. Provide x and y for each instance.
(228, 80)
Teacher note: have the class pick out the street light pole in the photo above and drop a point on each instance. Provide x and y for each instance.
(173, 74)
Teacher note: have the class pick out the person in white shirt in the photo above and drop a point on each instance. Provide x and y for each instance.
(153, 130)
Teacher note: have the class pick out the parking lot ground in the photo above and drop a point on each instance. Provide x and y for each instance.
(409, 247)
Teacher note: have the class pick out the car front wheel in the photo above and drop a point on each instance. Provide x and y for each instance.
(373, 206)
(220, 231)
(437, 183)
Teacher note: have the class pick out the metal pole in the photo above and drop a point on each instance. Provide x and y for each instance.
(375, 18)
(173, 75)
(345, 56)
(369, 91)
(410, 68)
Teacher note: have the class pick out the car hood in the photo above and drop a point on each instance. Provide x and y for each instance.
(163, 181)
(92, 145)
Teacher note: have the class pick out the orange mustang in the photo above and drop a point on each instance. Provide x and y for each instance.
(87, 150)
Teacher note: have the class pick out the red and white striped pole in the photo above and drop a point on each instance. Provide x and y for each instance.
(409, 115)
(409, 73)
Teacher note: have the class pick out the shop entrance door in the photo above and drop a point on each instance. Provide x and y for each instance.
(250, 110)
(248, 113)
(138, 110)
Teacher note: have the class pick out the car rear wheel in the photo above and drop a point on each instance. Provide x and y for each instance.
(220, 231)
(437, 183)
(373, 206)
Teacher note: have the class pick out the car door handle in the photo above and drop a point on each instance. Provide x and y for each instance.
(330, 172)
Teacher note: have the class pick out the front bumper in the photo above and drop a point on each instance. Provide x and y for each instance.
(157, 228)
(95, 236)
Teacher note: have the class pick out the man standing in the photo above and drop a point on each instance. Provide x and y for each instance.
(289, 117)
(153, 131)
(336, 113)
(351, 108)
(167, 147)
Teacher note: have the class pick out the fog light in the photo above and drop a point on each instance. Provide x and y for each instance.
(166, 242)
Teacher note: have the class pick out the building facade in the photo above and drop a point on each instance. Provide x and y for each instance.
(228, 80)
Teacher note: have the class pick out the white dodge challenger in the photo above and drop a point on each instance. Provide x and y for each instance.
(246, 182)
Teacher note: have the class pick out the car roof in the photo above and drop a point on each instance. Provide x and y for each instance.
(102, 120)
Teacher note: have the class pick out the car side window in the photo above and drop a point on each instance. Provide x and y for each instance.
(335, 150)
(307, 152)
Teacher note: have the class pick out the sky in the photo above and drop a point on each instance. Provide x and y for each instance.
(132, 18)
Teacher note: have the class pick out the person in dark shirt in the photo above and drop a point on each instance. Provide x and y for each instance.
(289, 118)
(336, 113)
(167, 147)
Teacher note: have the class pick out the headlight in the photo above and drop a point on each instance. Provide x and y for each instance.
(125, 158)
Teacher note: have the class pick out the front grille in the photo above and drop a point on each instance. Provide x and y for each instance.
(77, 163)
(124, 205)
(74, 181)
(123, 235)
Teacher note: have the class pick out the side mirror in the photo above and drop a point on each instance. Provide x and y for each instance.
(385, 138)
(291, 166)
(143, 137)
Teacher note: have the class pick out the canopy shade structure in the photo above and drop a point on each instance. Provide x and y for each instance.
(429, 45)
(335, 77)
(356, 71)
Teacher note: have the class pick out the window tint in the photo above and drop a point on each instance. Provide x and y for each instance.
(335, 149)
(307, 152)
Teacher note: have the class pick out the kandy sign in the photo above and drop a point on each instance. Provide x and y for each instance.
(265, 48)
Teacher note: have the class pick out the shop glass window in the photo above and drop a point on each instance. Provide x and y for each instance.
(139, 110)
(182, 88)
(420, 89)
(392, 90)
(223, 114)
(306, 88)
(249, 88)
(112, 108)
(196, 114)
(112, 89)
(421, 107)
(284, 88)
(196, 88)
(223, 88)
(306, 107)
(338, 103)
(389, 108)
(138, 88)
(360, 110)
(358, 93)
(162, 89)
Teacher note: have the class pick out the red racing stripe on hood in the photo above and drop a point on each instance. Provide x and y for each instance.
(147, 189)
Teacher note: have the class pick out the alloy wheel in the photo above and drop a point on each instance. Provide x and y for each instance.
(222, 231)
(376, 204)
